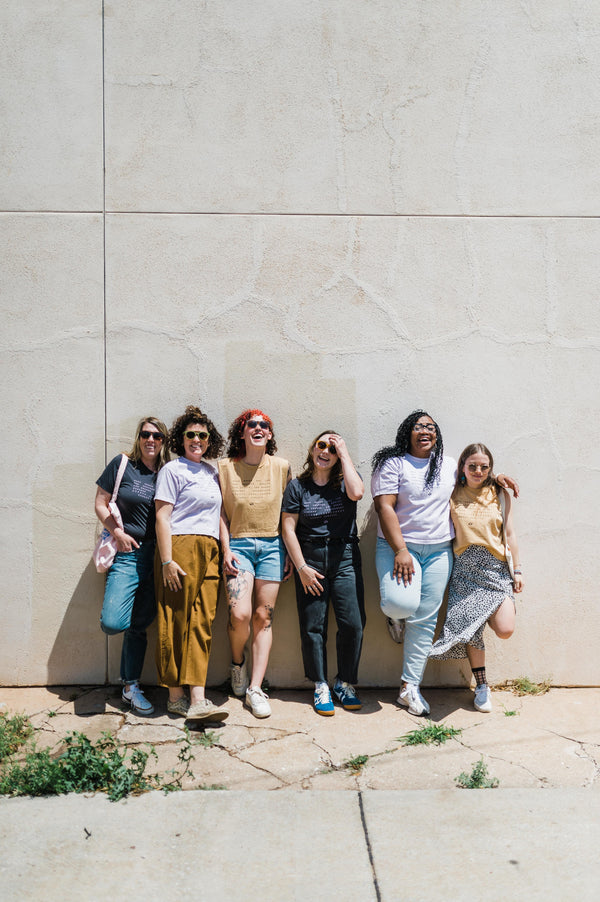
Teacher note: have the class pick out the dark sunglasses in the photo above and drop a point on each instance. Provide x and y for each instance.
(321, 445)
(192, 435)
(253, 424)
(157, 436)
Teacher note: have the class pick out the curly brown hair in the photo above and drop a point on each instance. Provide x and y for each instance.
(191, 415)
(236, 447)
(335, 477)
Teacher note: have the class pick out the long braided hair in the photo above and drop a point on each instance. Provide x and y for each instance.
(402, 447)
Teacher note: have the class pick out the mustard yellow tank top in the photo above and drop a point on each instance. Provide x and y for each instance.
(252, 495)
(477, 519)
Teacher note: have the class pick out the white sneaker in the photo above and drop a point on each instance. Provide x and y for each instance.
(483, 698)
(239, 678)
(258, 702)
(396, 629)
(138, 701)
(410, 697)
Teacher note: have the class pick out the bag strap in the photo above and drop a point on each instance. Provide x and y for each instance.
(502, 500)
(120, 471)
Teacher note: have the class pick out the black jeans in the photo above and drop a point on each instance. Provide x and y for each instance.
(340, 563)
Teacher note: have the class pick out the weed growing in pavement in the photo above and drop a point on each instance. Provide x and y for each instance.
(431, 734)
(525, 686)
(477, 779)
(82, 766)
(356, 764)
(51, 714)
(208, 739)
(213, 786)
(15, 730)
(508, 713)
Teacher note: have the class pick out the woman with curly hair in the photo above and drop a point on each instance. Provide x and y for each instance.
(129, 602)
(411, 486)
(481, 586)
(320, 533)
(252, 482)
(188, 522)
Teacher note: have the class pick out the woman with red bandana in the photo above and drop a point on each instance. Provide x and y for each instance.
(252, 482)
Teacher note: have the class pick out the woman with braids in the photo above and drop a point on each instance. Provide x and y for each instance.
(254, 560)
(187, 578)
(319, 530)
(411, 486)
(129, 602)
(481, 585)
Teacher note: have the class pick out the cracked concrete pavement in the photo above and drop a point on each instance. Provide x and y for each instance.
(545, 741)
(395, 829)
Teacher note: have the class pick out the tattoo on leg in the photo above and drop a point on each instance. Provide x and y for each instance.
(270, 611)
(236, 586)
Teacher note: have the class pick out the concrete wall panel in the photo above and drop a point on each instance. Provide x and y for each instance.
(53, 379)
(51, 105)
(354, 107)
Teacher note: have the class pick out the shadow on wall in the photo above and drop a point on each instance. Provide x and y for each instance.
(79, 652)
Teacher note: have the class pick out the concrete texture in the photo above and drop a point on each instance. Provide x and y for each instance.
(339, 212)
(417, 837)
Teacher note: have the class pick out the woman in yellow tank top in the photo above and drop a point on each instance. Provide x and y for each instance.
(481, 586)
(255, 562)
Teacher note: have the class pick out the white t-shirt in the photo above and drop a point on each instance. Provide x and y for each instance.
(424, 518)
(193, 490)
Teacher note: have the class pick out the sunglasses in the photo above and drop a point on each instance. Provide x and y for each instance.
(157, 436)
(321, 445)
(253, 424)
(192, 435)
(472, 468)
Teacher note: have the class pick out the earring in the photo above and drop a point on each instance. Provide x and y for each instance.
(463, 479)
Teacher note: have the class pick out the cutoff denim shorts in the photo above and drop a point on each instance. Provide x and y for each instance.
(264, 558)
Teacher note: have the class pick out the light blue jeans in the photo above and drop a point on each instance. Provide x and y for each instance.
(419, 602)
(130, 606)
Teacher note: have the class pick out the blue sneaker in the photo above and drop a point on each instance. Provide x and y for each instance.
(346, 696)
(323, 703)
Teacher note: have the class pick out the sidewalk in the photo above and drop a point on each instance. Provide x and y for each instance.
(418, 837)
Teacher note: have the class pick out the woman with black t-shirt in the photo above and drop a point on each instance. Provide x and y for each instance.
(129, 604)
(319, 530)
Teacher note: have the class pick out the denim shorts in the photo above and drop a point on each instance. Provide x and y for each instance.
(264, 558)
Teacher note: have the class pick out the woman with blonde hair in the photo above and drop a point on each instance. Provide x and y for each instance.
(129, 602)
(482, 584)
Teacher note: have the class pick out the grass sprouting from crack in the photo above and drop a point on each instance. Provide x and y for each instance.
(431, 734)
(477, 779)
(525, 686)
(356, 764)
(15, 730)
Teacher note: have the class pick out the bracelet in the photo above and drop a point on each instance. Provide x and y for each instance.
(520, 572)
(164, 563)
(399, 550)
(302, 567)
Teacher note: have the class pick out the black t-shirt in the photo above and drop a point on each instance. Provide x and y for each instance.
(324, 512)
(135, 499)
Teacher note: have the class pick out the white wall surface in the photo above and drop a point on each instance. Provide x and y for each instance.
(338, 211)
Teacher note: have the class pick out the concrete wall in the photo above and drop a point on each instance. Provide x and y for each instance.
(337, 209)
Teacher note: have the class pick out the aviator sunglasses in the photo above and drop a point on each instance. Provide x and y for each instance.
(321, 445)
(157, 436)
(254, 424)
(192, 435)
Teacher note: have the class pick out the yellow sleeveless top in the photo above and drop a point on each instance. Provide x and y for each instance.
(252, 496)
(477, 519)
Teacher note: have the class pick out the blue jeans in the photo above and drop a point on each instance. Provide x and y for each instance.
(340, 564)
(417, 603)
(263, 558)
(130, 606)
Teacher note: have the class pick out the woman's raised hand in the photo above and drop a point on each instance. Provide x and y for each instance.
(339, 444)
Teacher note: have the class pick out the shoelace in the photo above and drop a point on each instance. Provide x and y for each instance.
(346, 689)
(323, 695)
